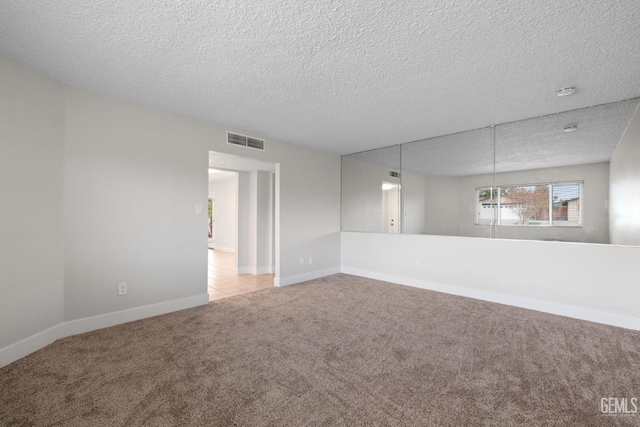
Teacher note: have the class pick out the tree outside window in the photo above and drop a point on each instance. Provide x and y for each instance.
(532, 205)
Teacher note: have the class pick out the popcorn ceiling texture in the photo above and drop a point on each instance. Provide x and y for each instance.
(336, 76)
(528, 144)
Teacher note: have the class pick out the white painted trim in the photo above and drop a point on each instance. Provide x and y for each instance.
(613, 319)
(22, 348)
(298, 278)
(223, 249)
(87, 324)
(244, 270)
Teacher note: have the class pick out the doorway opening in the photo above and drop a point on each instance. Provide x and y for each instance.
(243, 217)
(391, 207)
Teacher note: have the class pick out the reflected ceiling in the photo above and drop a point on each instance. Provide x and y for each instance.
(529, 144)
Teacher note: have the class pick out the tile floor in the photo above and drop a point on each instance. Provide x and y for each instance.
(223, 281)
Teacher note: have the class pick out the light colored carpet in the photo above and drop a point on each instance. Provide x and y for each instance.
(342, 350)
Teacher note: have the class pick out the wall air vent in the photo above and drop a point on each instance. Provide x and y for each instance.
(394, 174)
(245, 141)
(255, 143)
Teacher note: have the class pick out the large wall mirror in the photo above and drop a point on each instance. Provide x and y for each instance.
(440, 176)
(572, 176)
(371, 191)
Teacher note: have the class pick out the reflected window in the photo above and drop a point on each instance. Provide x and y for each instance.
(487, 202)
(566, 200)
(530, 205)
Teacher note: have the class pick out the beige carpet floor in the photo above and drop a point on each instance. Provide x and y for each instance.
(341, 351)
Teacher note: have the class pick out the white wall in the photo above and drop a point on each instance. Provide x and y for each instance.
(624, 194)
(255, 223)
(362, 195)
(468, 205)
(226, 217)
(116, 154)
(252, 226)
(413, 199)
(244, 247)
(598, 282)
(132, 178)
(442, 205)
(31, 213)
(263, 222)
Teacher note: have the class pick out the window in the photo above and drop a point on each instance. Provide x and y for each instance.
(557, 204)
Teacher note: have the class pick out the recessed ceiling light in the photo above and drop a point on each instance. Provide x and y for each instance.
(570, 128)
(565, 91)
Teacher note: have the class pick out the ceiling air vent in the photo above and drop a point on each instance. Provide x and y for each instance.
(245, 141)
(394, 174)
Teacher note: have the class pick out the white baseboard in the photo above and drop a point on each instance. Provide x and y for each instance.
(87, 324)
(42, 339)
(298, 278)
(613, 319)
(223, 249)
(22, 348)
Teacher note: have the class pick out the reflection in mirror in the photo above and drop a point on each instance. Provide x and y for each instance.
(439, 180)
(572, 176)
(552, 174)
(371, 191)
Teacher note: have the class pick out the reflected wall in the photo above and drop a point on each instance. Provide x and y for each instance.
(371, 191)
(443, 173)
(553, 174)
(572, 176)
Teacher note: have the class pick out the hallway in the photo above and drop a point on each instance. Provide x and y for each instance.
(223, 281)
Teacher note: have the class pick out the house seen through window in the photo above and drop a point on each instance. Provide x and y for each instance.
(531, 205)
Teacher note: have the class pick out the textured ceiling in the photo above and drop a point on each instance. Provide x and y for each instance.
(542, 142)
(336, 76)
(231, 162)
(535, 143)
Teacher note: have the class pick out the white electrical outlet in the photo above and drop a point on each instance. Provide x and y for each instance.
(418, 265)
(301, 261)
(122, 288)
(310, 260)
(198, 209)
